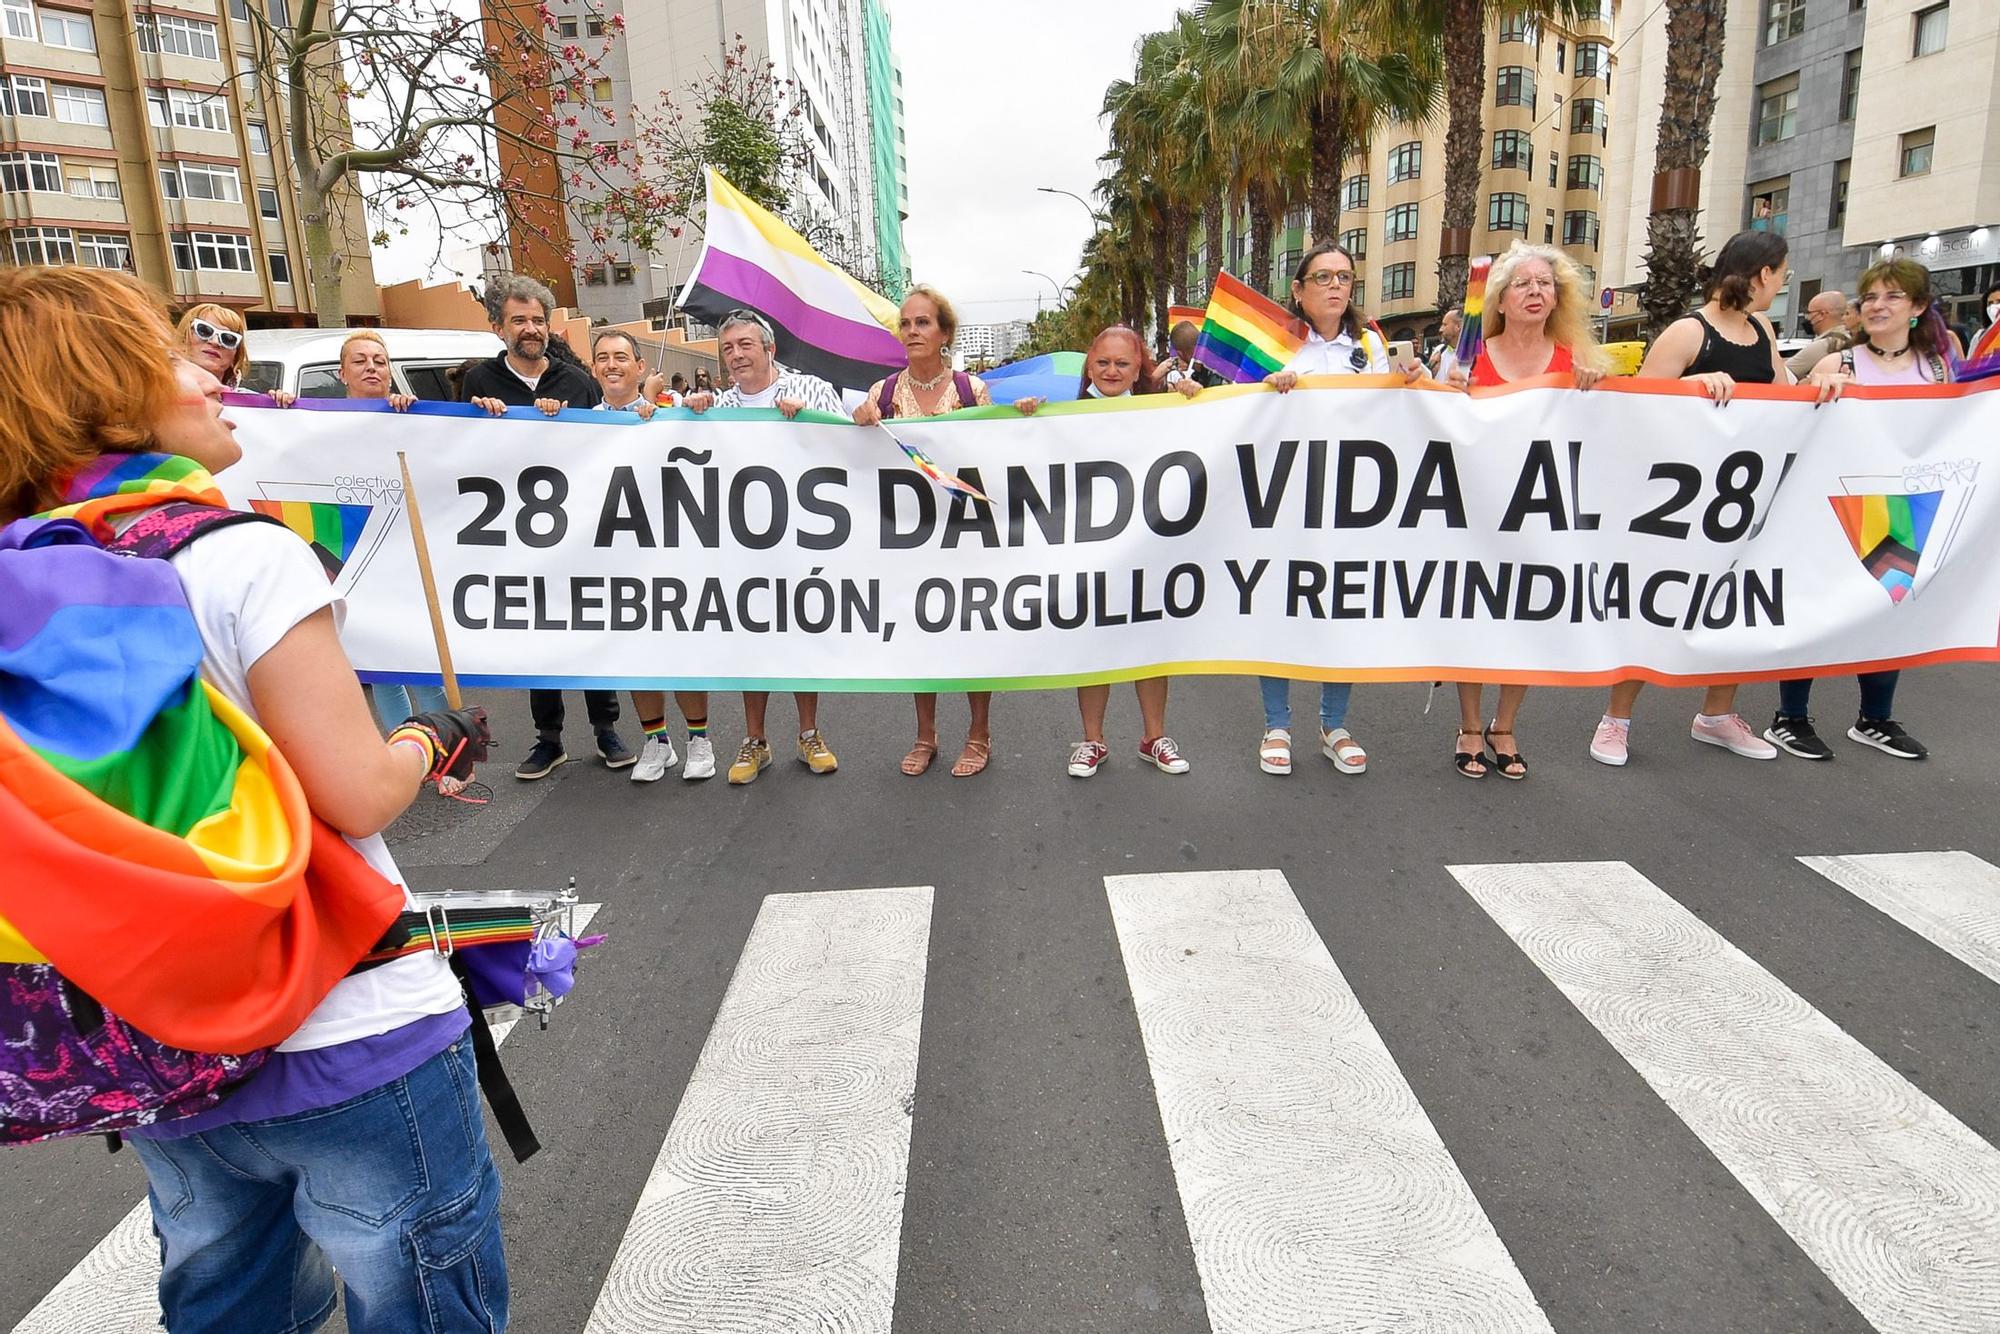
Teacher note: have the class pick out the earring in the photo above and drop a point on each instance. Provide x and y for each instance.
(1913, 321)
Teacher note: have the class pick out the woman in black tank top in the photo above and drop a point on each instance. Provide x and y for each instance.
(1725, 342)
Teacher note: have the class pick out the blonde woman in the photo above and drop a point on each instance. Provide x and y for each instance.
(213, 338)
(930, 388)
(1536, 322)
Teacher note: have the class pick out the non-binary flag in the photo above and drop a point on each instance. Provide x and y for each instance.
(1245, 335)
(827, 324)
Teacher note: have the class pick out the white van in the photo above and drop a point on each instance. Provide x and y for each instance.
(306, 361)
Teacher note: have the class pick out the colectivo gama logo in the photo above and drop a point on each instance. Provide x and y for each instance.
(343, 521)
(1889, 533)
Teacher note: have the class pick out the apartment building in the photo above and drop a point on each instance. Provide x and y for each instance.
(1542, 175)
(839, 53)
(988, 344)
(147, 138)
(1857, 128)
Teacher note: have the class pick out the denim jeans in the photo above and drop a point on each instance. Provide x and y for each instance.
(1278, 702)
(395, 703)
(547, 708)
(1878, 695)
(394, 1189)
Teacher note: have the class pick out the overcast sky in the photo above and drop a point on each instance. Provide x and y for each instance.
(1000, 99)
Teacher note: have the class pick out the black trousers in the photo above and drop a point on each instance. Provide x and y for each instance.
(547, 708)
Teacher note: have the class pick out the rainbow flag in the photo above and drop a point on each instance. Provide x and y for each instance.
(827, 324)
(331, 529)
(1888, 534)
(160, 853)
(1185, 314)
(115, 484)
(1472, 321)
(1245, 335)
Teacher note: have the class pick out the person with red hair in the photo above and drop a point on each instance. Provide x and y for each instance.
(1118, 363)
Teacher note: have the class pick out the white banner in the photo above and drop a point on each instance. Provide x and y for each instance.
(1346, 531)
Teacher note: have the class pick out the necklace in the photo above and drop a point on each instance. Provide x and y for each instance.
(926, 386)
(1885, 353)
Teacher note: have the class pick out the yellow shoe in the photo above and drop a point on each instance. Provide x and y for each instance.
(813, 753)
(752, 758)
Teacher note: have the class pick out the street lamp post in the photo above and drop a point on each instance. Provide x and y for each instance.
(1096, 218)
(1051, 282)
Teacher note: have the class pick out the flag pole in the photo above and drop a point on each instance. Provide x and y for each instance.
(451, 694)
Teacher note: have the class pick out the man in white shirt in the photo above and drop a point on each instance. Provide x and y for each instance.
(621, 373)
(749, 351)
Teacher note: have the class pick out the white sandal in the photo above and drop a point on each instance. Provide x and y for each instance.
(1354, 761)
(1274, 756)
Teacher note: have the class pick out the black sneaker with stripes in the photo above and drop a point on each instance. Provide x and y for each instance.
(1795, 736)
(1887, 735)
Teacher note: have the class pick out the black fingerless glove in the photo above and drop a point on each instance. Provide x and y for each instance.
(461, 737)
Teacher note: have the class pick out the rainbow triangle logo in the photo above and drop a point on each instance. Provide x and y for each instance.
(332, 529)
(1888, 534)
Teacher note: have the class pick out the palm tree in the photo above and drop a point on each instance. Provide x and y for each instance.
(1333, 68)
(1694, 62)
(1460, 27)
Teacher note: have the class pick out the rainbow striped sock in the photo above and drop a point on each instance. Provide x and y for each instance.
(656, 728)
(697, 728)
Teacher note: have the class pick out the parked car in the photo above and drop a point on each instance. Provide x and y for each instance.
(306, 361)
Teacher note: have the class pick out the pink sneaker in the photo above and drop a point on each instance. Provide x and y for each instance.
(1164, 755)
(1610, 743)
(1733, 735)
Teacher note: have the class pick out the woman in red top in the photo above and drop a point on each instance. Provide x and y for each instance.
(1536, 322)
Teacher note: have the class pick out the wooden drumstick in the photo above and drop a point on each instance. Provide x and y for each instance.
(451, 694)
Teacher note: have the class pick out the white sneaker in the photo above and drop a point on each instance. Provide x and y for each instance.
(655, 758)
(700, 761)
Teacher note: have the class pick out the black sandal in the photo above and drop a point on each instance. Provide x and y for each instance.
(1465, 760)
(1509, 766)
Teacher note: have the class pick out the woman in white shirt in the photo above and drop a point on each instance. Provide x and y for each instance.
(1340, 343)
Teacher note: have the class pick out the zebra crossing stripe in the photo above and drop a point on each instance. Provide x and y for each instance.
(1951, 899)
(115, 1288)
(1893, 1197)
(776, 1202)
(1317, 1192)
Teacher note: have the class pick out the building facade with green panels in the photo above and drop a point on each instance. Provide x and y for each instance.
(885, 127)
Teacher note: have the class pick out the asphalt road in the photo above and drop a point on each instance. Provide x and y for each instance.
(1041, 1192)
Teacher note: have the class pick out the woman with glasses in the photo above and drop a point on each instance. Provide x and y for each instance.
(1536, 322)
(1726, 342)
(212, 337)
(1340, 343)
(1903, 341)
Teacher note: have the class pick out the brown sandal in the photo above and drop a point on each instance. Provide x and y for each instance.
(919, 758)
(972, 759)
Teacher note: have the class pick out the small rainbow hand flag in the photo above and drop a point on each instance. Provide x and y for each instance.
(1471, 328)
(929, 468)
(1245, 335)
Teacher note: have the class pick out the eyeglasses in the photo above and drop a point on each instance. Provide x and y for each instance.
(1532, 285)
(226, 339)
(1326, 278)
(1884, 298)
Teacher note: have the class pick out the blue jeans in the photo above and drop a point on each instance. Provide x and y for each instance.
(1278, 702)
(394, 1188)
(1878, 695)
(395, 703)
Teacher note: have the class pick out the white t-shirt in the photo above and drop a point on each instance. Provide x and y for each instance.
(248, 585)
(767, 397)
(532, 384)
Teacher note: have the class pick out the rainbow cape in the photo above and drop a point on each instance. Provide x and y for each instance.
(1245, 335)
(160, 851)
(827, 324)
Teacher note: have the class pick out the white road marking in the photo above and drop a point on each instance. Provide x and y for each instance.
(1893, 1197)
(115, 1288)
(776, 1203)
(1317, 1192)
(1951, 899)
